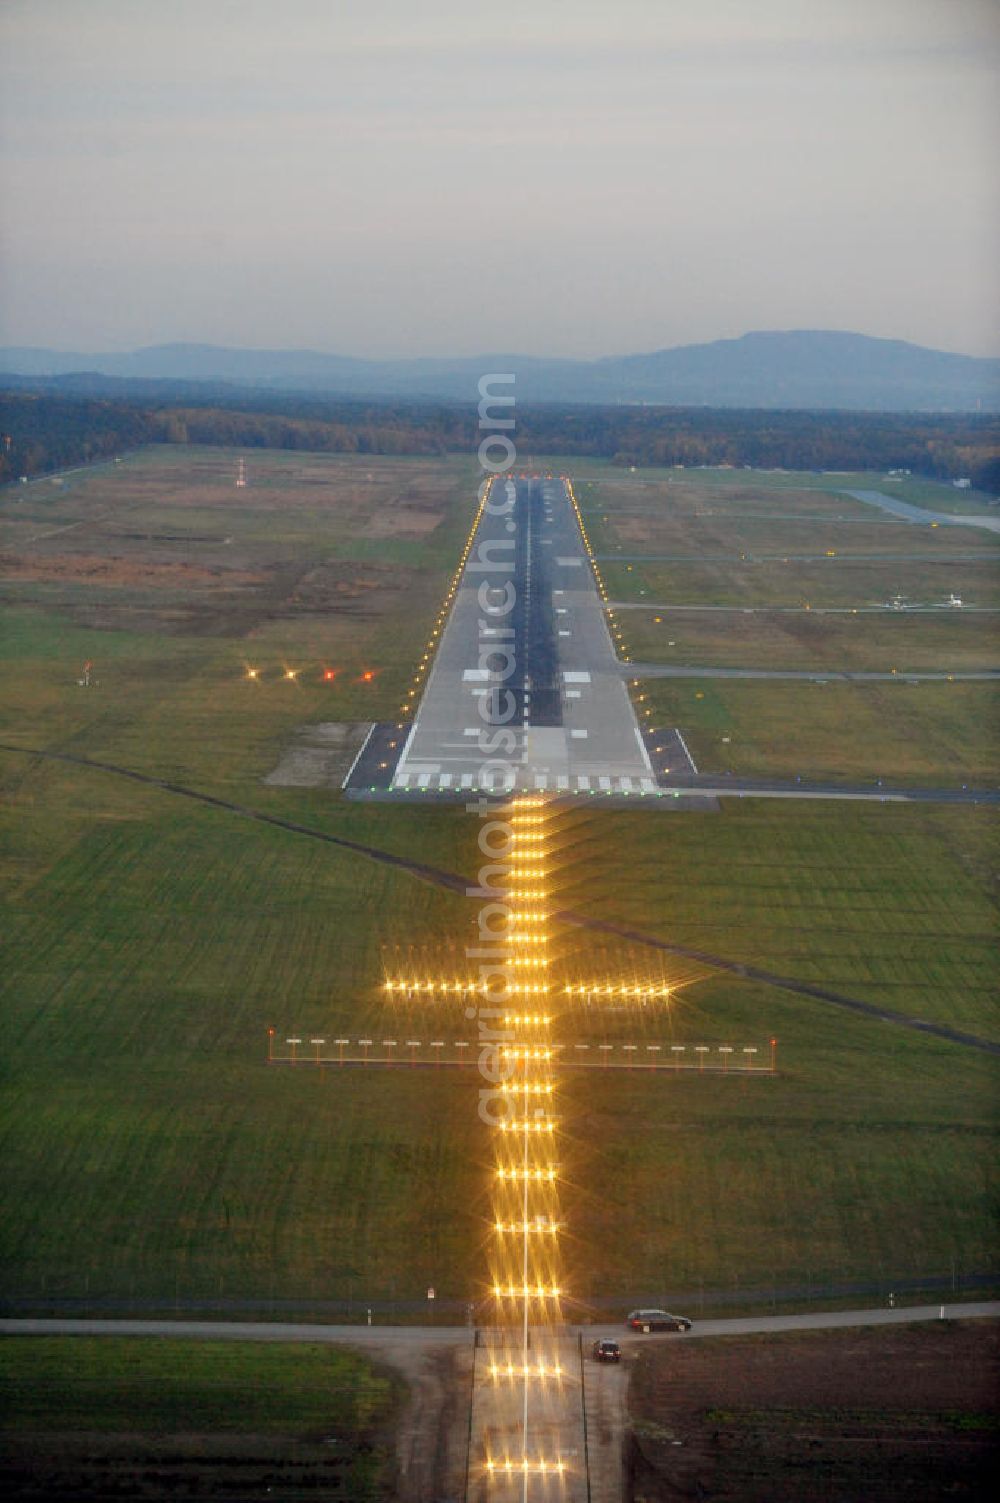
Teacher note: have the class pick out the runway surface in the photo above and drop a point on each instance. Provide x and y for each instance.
(526, 692)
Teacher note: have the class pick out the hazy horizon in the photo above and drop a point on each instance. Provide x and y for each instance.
(566, 179)
(390, 358)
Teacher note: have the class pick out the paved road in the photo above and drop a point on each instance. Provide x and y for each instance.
(804, 610)
(986, 556)
(716, 786)
(920, 515)
(536, 689)
(816, 675)
(424, 1336)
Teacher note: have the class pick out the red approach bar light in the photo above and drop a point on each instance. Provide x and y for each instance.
(367, 675)
(329, 674)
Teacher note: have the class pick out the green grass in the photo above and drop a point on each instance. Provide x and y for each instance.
(924, 734)
(109, 1417)
(949, 642)
(165, 1386)
(934, 495)
(916, 575)
(149, 1152)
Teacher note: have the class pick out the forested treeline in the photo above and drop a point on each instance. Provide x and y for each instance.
(41, 431)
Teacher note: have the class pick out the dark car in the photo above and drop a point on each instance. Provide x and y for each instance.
(656, 1320)
(606, 1351)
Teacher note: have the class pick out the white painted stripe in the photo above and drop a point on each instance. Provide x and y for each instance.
(475, 675)
(401, 780)
(424, 779)
(565, 634)
(583, 782)
(686, 752)
(562, 610)
(467, 779)
(471, 730)
(626, 784)
(576, 678)
(541, 781)
(444, 781)
(357, 759)
(604, 782)
(642, 747)
(562, 781)
(573, 694)
(409, 742)
(579, 735)
(647, 784)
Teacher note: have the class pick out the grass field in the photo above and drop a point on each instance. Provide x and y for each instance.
(951, 642)
(933, 495)
(921, 734)
(740, 541)
(151, 1155)
(88, 1418)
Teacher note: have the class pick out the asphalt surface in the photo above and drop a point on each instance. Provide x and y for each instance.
(920, 515)
(986, 556)
(716, 786)
(363, 1335)
(815, 675)
(533, 691)
(888, 609)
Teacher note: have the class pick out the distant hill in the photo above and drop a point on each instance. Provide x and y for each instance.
(803, 368)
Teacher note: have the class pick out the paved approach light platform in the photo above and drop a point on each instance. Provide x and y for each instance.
(525, 676)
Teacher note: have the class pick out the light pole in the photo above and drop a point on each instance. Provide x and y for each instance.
(295, 1044)
(317, 1045)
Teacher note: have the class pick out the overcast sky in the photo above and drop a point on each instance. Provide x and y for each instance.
(383, 177)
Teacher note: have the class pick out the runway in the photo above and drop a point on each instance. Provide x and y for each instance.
(526, 693)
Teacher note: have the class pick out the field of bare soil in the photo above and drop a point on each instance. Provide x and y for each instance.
(869, 1413)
